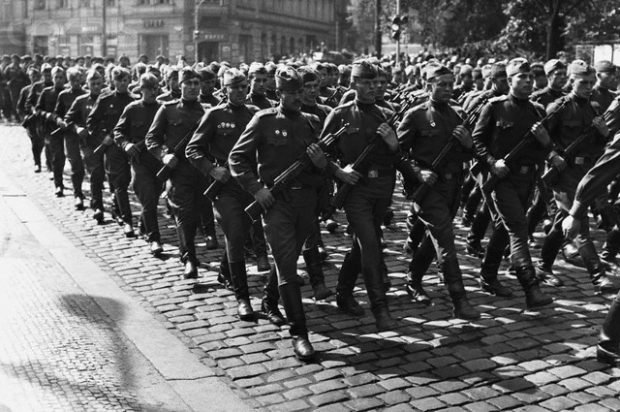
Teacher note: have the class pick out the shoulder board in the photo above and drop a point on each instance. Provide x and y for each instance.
(171, 102)
(345, 105)
(106, 94)
(271, 111)
(418, 107)
(498, 99)
(311, 117)
(252, 108)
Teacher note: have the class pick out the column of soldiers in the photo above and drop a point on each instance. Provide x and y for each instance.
(513, 144)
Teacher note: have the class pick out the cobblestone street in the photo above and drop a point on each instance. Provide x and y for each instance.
(511, 359)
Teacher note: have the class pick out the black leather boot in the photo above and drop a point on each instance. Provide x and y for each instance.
(608, 348)
(415, 290)
(314, 268)
(534, 297)
(611, 247)
(291, 298)
(350, 269)
(598, 274)
(491, 263)
(223, 277)
(454, 281)
(269, 305)
(239, 279)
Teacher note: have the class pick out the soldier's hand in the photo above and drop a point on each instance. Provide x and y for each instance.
(107, 140)
(599, 123)
(558, 162)
(541, 134)
(500, 169)
(221, 174)
(316, 155)
(428, 177)
(463, 136)
(170, 160)
(388, 135)
(82, 132)
(264, 198)
(131, 149)
(61, 123)
(570, 226)
(348, 175)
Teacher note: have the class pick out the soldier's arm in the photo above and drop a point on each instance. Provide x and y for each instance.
(41, 101)
(482, 135)
(121, 130)
(331, 125)
(21, 101)
(31, 99)
(197, 148)
(154, 139)
(612, 117)
(596, 180)
(406, 132)
(242, 157)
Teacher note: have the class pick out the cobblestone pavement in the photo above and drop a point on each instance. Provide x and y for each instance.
(509, 359)
(58, 350)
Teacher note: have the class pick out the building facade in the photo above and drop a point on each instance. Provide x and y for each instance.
(233, 30)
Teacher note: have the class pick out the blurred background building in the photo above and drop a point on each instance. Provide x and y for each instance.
(234, 30)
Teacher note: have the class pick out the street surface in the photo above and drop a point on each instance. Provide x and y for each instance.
(59, 350)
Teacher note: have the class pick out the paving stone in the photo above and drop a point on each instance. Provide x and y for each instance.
(427, 404)
(329, 397)
(558, 404)
(326, 386)
(480, 407)
(295, 405)
(366, 390)
(364, 404)
(568, 371)
(504, 402)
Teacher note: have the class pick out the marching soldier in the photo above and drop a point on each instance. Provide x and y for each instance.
(371, 194)
(208, 151)
(574, 118)
(424, 131)
(101, 121)
(556, 79)
(45, 107)
(173, 126)
(502, 124)
(257, 74)
(129, 135)
(606, 168)
(270, 141)
(77, 116)
(606, 83)
(71, 140)
(36, 139)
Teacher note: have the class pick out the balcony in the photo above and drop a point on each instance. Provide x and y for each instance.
(212, 8)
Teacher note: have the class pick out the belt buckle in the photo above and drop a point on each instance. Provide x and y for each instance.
(524, 169)
(580, 160)
(373, 173)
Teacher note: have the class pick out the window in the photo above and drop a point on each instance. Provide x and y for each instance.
(39, 5)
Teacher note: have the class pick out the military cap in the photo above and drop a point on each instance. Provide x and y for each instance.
(215, 66)
(381, 71)
(15, 56)
(538, 69)
(498, 70)
(206, 74)
(476, 73)
(57, 70)
(580, 68)
(344, 69)
(604, 66)
(308, 74)
(288, 79)
(396, 70)
(46, 67)
(148, 81)
(363, 69)
(187, 74)
(517, 65)
(119, 72)
(222, 70)
(552, 65)
(466, 69)
(153, 69)
(256, 68)
(233, 77)
(271, 67)
(409, 70)
(434, 70)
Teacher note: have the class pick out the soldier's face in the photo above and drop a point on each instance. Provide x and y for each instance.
(95, 85)
(608, 80)
(381, 86)
(173, 83)
(259, 83)
(521, 84)
(557, 79)
(76, 82)
(291, 100)
(237, 93)
(442, 88)
(60, 79)
(121, 84)
(148, 94)
(501, 83)
(583, 85)
(47, 77)
(190, 89)
(207, 86)
(311, 92)
(365, 89)
(271, 82)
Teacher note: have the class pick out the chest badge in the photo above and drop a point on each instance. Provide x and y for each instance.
(284, 133)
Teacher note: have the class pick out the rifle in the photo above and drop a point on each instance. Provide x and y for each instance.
(164, 173)
(343, 191)
(422, 190)
(102, 147)
(284, 179)
(551, 176)
(215, 187)
(28, 121)
(490, 184)
(62, 128)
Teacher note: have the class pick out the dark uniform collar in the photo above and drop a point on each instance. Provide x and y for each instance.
(518, 101)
